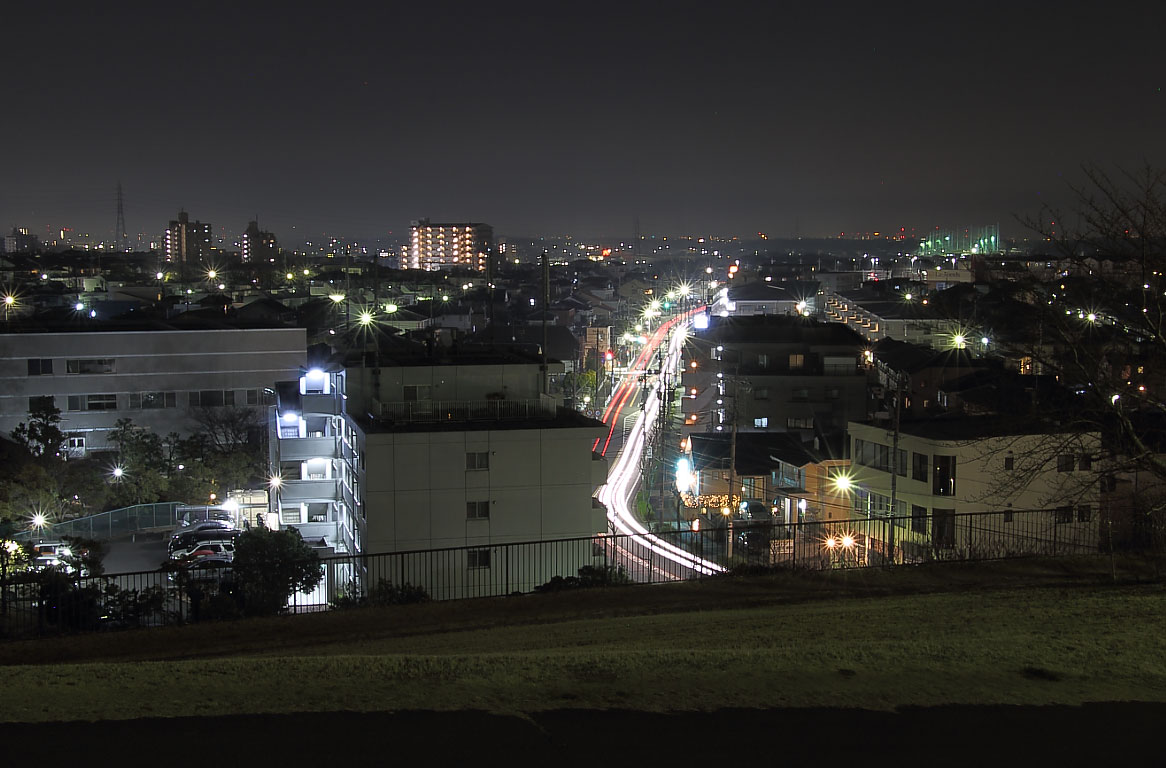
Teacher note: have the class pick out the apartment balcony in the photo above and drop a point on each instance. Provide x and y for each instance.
(329, 404)
(296, 491)
(304, 448)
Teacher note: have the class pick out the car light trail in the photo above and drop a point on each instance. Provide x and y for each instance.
(624, 476)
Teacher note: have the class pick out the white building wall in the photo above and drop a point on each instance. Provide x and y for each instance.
(539, 484)
(143, 362)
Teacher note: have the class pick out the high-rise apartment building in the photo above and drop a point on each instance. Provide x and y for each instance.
(188, 242)
(444, 246)
(258, 245)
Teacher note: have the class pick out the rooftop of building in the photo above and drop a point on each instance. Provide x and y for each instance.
(773, 291)
(760, 329)
(757, 452)
(561, 418)
(135, 322)
(955, 427)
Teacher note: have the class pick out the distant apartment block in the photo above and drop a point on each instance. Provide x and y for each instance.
(161, 379)
(187, 242)
(435, 246)
(20, 241)
(258, 245)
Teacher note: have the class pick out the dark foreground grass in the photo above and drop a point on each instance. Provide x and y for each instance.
(766, 642)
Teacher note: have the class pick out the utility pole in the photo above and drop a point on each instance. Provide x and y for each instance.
(120, 230)
(546, 302)
(894, 471)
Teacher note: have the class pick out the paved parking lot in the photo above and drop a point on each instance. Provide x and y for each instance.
(140, 552)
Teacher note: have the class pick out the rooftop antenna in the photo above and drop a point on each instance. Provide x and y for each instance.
(119, 233)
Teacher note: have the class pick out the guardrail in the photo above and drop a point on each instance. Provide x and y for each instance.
(51, 601)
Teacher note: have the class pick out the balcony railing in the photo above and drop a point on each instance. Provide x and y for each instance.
(431, 411)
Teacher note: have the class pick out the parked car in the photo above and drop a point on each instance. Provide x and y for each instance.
(190, 541)
(49, 554)
(199, 550)
(208, 569)
(205, 525)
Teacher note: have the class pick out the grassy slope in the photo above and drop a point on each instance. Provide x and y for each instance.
(764, 642)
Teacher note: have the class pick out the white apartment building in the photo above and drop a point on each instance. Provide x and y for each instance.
(1040, 488)
(901, 320)
(444, 464)
(158, 378)
(436, 246)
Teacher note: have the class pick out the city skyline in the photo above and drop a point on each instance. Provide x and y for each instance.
(789, 122)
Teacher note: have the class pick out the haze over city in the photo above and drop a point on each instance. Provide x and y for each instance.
(548, 120)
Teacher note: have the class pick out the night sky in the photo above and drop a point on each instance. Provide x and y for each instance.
(696, 118)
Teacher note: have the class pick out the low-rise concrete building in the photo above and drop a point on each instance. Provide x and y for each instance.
(161, 377)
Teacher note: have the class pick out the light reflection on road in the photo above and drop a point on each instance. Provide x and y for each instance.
(624, 475)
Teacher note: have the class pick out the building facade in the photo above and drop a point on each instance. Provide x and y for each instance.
(161, 379)
(948, 472)
(257, 245)
(187, 243)
(437, 246)
(440, 464)
(772, 373)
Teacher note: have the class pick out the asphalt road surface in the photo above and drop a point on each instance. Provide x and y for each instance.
(140, 552)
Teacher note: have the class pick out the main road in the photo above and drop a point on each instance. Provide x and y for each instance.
(647, 557)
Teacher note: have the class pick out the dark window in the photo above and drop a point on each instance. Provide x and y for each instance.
(1065, 462)
(478, 558)
(1084, 513)
(101, 403)
(761, 393)
(159, 399)
(478, 510)
(1010, 463)
(477, 460)
(74, 402)
(902, 463)
(253, 397)
(41, 402)
(89, 366)
(1008, 515)
(229, 397)
(918, 519)
(800, 394)
(919, 466)
(944, 478)
(943, 528)
(1086, 462)
(1063, 515)
(207, 398)
(40, 367)
(799, 422)
(412, 393)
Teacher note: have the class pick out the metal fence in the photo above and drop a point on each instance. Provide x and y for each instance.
(109, 524)
(51, 601)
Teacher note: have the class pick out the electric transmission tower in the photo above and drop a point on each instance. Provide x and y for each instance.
(120, 230)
